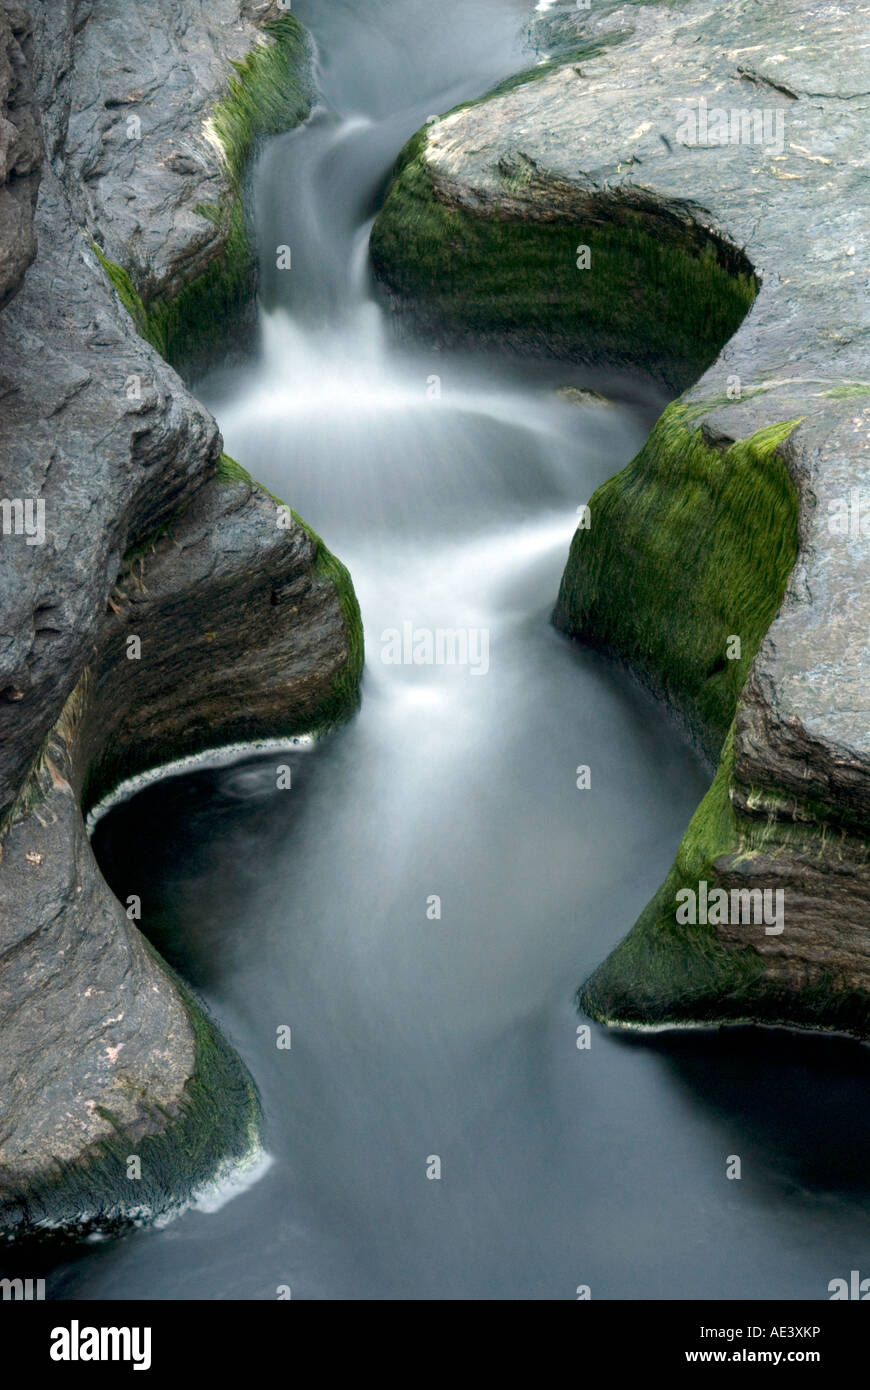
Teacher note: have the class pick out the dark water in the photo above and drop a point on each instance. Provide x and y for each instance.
(456, 1038)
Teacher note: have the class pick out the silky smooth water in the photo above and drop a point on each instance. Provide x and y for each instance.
(414, 1036)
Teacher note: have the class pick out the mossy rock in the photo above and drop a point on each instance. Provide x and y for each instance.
(659, 293)
(270, 92)
(688, 547)
(666, 974)
(344, 698)
(214, 1128)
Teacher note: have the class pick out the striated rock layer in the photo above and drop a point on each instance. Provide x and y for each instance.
(125, 519)
(20, 150)
(683, 187)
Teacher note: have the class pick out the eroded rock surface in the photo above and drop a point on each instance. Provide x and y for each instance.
(20, 150)
(748, 123)
(248, 629)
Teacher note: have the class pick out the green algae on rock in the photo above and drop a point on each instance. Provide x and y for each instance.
(209, 1133)
(697, 535)
(719, 529)
(670, 973)
(344, 695)
(664, 972)
(658, 292)
(689, 546)
(270, 92)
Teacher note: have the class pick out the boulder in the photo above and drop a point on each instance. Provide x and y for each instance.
(123, 517)
(680, 188)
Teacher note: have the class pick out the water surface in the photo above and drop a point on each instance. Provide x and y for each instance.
(450, 484)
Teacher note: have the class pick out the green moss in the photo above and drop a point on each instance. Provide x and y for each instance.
(188, 328)
(666, 973)
(344, 697)
(663, 971)
(688, 546)
(571, 53)
(270, 92)
(848, 389)
(130, 299)
(229, 471)
(659, 294)
(216, 1124)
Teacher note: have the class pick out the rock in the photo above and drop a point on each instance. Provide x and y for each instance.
(101, 432)
(248, 629)
(20, 150)
(578, 395)
(689, 149)
(102, 1050)
(153, 165)
(94, 1035)
(233, 546)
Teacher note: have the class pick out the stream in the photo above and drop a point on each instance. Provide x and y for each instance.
(420, 907)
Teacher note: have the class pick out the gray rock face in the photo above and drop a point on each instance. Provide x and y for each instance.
(105, 469)
(71, 358)
(245, 627)
(266, 673)
(89, 1022)
(750, 122)
(20, 150)
(94, 1034)
(138, 158)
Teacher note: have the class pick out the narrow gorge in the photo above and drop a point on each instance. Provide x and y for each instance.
(554, 326)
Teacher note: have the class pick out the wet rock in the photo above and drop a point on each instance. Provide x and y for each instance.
(102, 1056)
(734, 137)
(105, 454)
(20, 150)
(578, 395)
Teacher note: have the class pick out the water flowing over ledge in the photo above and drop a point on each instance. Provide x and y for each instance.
(718, 535)
(420, 904)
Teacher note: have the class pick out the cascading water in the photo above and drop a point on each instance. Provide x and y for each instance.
(420, 907)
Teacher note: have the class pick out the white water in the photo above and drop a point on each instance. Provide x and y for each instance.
(455, 1037)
